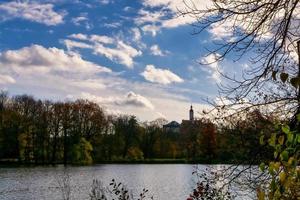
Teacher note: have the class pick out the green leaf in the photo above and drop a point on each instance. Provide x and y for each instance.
(271, 168)
(284, 156)
(272, 140)
(261, 140)
(298, 138)
(285, 128)
(284, 77)
(273, 185)
(278, 147)
(290, 137)
(262, 166)
(298, 117)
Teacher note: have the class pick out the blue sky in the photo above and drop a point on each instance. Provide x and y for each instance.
(133, 57)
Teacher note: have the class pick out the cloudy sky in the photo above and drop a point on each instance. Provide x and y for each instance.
(133, 57)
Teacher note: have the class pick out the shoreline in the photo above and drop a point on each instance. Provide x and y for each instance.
(137, 162)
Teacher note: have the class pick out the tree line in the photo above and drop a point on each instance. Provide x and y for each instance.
(38, 131)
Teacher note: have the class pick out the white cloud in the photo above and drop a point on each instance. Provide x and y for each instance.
(70, 44)
(77, 20)
(78, 36)
(32, 11)
(127, 8)
(153, 29)
(117, 51)
(93, 38)
(102, 39)
(5, 79)
(155, 50)
(82, 20)
(92, 84)
(122, 53)
(149, 21)
(232, 26)
(167, 16)
(37, 59)
(135, 104)
(162, 76)
(175, 5)
(136, 38)
(132, 99)
(136, 34)
(146, 16)
(112, 25)
(219, 31)
(212, 62)
(49, 71)
(178, 21)
(171, 4)
(55, 74)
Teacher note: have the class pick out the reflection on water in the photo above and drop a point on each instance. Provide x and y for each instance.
(165, 182)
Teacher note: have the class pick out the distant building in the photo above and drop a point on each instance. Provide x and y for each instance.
(191, 119)
(175, 127)
(191, 114)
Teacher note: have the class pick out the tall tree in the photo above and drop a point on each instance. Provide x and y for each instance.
(267, 31)
(127, 128)
(66, 124)
(150, 136)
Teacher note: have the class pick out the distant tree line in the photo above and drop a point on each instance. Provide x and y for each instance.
(80, 132)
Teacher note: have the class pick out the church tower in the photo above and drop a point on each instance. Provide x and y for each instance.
(191, 114)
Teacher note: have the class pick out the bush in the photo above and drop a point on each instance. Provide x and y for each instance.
(134, 153)
(283, 169)
(82, 152)
(207, 188)
(115, 190)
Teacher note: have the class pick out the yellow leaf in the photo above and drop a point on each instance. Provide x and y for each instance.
(276, 166)
(291, 160)
(282, 176)
(260, 194)
(281, 139)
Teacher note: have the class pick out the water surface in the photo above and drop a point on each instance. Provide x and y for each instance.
(164, 181)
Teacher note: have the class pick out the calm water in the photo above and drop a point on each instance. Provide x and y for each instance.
(165, 182)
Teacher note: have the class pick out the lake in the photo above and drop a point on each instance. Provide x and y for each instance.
(164, 181)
